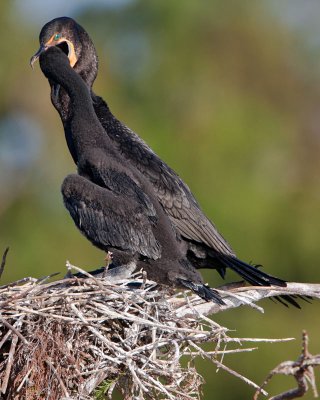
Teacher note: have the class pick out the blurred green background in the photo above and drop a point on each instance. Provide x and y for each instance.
(228, 94)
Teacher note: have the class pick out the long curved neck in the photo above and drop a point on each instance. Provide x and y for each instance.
(73, 84)
(60, 98)
(60, 72)
(84, 129)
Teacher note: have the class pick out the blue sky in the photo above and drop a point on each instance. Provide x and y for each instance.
(38, 10)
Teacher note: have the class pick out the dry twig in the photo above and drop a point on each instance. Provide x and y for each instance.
(302, 370)
(3, 261)
(76, 338)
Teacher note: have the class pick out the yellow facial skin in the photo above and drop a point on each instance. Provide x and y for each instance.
(54, 41)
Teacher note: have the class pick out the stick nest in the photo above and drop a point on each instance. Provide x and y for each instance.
(83, 338)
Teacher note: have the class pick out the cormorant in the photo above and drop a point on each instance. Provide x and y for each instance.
(112, 204)
(205, 247)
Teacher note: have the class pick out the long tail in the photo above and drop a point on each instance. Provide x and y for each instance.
(256, 277)
(250, 273)
(203, 291)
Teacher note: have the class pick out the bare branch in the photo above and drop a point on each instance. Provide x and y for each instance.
(246, 295)
(86, 333)
(302, 370)
(3, 262)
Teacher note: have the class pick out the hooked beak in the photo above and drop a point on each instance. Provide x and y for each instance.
(34, 58)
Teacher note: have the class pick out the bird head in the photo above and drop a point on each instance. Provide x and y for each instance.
(74, 41)
(61, 32)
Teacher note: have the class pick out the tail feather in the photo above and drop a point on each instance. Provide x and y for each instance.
(251, 273)
(203, 291)
(256, 277)
(285, 299)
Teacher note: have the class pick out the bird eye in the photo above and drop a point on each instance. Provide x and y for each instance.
(57, 36)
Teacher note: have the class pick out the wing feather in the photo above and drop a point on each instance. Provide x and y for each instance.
(109, 220)
(173, 194)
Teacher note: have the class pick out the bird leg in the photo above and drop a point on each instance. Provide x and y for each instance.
(108, 261)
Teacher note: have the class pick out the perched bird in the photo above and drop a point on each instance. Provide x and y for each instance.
(112, 204)
(205, 247)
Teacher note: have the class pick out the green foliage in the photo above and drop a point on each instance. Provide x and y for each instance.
(102, 391)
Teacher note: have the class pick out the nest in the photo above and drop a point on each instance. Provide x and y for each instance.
(82, 338)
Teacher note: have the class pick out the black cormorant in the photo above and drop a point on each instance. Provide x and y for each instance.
(112, 204)
(205, 247)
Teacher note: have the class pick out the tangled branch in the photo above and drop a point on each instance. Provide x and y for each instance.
(82, 338)
(302, 370)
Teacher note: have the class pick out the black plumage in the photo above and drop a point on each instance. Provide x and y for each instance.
(205, 247)
(112, 204)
